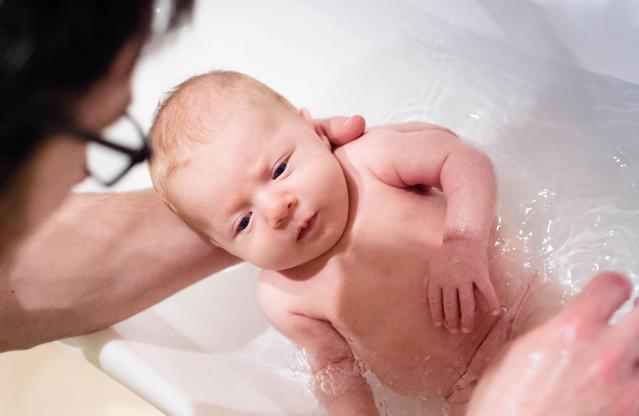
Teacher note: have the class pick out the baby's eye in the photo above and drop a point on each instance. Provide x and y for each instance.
(280, 169)
(244, 222)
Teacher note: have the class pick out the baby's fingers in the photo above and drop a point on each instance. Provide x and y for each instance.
(486, 288)
(467, 306)
(451, 309)
(435, 304)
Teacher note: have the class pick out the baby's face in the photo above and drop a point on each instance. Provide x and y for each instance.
(267, 189)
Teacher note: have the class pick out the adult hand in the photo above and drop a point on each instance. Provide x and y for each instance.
(574, 365)
(341, 130)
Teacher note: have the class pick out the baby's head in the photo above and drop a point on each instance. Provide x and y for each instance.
(247, 171)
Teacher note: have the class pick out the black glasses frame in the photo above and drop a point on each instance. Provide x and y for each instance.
(136, 156)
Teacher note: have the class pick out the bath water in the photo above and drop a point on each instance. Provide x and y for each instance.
(564, 143)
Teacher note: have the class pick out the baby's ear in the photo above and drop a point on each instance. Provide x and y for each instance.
(306, 115)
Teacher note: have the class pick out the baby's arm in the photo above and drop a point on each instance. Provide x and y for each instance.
(336, 379)
(435, 157)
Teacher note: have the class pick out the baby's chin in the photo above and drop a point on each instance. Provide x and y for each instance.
(319, 253)
(289, 263)
(302, 260)
(280, 261)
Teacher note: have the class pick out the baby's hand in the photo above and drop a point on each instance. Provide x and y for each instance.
(459, 267)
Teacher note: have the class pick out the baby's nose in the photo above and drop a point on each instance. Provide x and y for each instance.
(282, 211)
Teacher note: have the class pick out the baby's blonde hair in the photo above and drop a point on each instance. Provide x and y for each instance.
(195, 112)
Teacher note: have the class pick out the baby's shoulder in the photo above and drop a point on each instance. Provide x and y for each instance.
(371, 140)
(275, 302)
(379, 144)
(359, 153)
(270, 285)
(277, 291)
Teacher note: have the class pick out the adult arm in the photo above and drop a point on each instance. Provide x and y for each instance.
(98, 260)
(104, 257)
(574, 365)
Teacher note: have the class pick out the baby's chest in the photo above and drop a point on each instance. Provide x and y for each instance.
(386, 219)
(382, 260)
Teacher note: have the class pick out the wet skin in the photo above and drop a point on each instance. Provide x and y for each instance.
(369, 286)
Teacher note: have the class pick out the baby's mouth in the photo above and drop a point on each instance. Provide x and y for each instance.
(306, 227)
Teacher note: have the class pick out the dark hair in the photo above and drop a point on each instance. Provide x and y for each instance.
(51, 52)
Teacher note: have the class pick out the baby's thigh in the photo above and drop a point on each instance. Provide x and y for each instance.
(457, 403)
(546, 298)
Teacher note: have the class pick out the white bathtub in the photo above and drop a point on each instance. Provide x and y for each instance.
(547, 88)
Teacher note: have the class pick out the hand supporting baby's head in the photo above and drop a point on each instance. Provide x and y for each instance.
(247, 171)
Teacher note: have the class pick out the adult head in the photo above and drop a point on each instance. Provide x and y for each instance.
(65, 65)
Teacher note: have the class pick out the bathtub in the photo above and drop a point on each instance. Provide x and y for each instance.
(549, 89)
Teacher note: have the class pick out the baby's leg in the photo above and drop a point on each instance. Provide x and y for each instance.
(545, 299)
(455, 409)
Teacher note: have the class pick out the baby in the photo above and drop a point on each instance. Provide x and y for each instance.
(350, 239)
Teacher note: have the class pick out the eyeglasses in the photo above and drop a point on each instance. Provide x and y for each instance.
(112, 154)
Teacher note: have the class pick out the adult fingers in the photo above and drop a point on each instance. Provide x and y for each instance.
(451, 309)
(598, 300)
(435, 304)
(341, 130)
(629, 328)
(467, 307)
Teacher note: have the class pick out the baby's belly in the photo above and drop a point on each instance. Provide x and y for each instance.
(376, 298)
(411, 356)
(382, 312)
